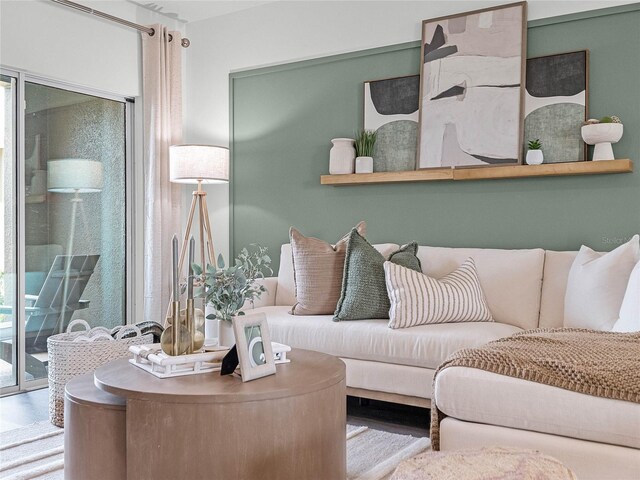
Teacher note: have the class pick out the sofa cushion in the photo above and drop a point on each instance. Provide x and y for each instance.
(511, 279)
(554, 286)
(389, 378)
(364, 293)
(477, 396)
(629, 319)
(596, 285)
(417, 299)
(421, 346)
(286, 291)
(317, 271)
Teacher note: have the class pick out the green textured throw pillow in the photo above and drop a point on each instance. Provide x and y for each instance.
(364, 291)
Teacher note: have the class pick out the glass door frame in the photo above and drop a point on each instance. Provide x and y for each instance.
(23, 77)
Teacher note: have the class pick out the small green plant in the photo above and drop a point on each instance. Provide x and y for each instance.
(227, 289)
(365, 140)
(535, 144)
(605, 119)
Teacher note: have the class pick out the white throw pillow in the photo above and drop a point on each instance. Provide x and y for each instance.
(596, 286)
(629, 320)
(417, 299)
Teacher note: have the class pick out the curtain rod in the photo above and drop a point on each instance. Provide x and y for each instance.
(185, 41)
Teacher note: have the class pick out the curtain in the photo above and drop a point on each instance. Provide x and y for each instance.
(162, 102)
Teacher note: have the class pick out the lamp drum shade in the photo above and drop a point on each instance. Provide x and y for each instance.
(194, 163)
(74, 175)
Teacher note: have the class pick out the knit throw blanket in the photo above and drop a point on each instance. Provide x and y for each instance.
(603, 364)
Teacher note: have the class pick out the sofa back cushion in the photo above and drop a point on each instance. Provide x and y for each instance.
(554, 286)
(511, 279)
(286, 292)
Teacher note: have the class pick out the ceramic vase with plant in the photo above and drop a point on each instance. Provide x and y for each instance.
(226, 289)
(365, 140)
(534, 154)
(602, 133)
(342, 156)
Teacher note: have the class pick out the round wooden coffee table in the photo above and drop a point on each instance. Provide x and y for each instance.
(291, 425)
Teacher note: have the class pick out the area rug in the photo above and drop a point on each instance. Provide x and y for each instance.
(37, 452)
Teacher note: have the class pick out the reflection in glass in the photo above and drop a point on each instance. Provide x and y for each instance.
(74, 216)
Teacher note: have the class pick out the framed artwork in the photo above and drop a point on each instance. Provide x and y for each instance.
(391, 109)
(253, 343)
(471, 88)
(557, 90)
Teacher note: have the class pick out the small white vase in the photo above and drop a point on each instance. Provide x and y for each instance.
(226, 337)
(342, 156)
(364, 165)
(534, 157)
(602, 135)
(210, 327)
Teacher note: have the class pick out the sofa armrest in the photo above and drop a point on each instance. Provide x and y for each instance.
(268, 298)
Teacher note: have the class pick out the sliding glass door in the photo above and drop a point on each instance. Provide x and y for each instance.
(72, 222)
(8, 257)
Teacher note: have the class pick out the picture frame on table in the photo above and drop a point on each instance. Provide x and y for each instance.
(253, 343)
(472, 88)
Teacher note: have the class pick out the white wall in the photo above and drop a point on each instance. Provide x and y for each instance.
(59, 43)
(286, 31)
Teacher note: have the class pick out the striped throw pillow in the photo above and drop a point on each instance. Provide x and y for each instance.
(417, 299)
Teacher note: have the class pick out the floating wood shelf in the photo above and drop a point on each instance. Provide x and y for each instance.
(482, 173)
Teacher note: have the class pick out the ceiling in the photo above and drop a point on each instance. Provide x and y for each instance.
(193, 10)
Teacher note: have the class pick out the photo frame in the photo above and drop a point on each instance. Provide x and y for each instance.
(253, 343)
(472, 88)
(391, 109)
(557, 104)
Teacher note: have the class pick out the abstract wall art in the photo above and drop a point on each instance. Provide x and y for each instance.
(555, 104)
(391, 109)
(471, 88)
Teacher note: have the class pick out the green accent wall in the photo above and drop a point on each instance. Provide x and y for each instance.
(283, 118)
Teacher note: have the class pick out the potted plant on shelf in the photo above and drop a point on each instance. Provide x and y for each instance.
(534, 155)
(365, 140)
(225, 290)
(602, 133)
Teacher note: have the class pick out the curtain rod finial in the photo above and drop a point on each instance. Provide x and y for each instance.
(185, 42)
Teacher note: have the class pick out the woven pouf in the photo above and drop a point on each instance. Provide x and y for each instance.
(483, 464)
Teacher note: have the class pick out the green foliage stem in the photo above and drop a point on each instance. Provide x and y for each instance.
(227, 289)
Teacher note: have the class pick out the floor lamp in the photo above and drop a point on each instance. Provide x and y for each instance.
(74, 175)
(199, 164)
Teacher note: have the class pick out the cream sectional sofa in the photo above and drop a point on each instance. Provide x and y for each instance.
(597, 438)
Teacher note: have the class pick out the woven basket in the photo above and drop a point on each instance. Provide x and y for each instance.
(76, 353)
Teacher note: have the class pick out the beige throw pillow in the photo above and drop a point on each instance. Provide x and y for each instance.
(418, 299)
(597, 284)
(318, 267)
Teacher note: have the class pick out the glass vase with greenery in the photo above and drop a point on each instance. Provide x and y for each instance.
(226, 289)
